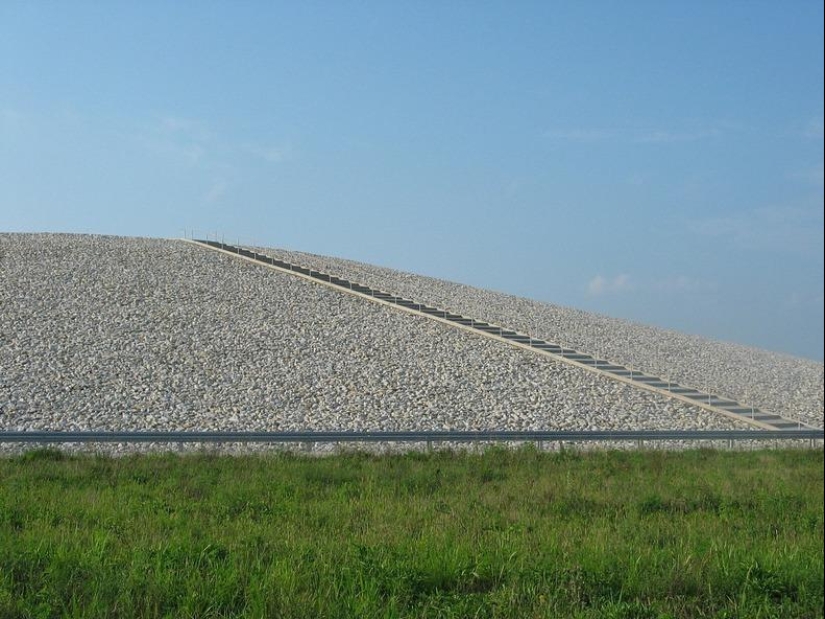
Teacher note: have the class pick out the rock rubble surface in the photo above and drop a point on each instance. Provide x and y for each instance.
(111, 333)
(787, 385)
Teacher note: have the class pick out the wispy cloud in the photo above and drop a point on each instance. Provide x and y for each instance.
(216, 161)
(802, 299)
(815, 129)
(216, 191)
(676, 137)
(636, 180)
(781, 229)
(814, 174)
(182, 141)
(191, 142)
(601, 285)
(682, 284)
(271, 154)
(189, 129)
(578, 135)
(641, 136)
(10, 118)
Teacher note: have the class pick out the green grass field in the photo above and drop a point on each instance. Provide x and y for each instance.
(499, 534)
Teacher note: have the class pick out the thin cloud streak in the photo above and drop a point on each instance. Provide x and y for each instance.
(804, 299)
(814, 175)
(658, 136)
(10, 119)
(182, 141)
(601, 285)
(271, 154)
(216, 191)
(780, 229)
(815, 129)
(579, 135)
(683, 284)
(671, 137)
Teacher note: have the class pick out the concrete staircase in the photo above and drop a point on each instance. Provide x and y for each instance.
(709, 401)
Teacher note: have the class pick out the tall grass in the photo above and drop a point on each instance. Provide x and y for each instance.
(499, 534)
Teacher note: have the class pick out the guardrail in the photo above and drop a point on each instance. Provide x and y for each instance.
(429, 437)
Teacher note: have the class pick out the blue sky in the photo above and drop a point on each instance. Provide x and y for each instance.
(655, 161)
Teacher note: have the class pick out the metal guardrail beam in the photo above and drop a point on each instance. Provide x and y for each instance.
(37, 436)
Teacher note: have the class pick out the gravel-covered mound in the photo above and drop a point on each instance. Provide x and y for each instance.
(123, 333)
(789, 386)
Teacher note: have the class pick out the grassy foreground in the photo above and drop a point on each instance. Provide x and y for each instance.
(499, 534)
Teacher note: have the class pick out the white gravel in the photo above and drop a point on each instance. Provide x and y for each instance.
(789, 386)
(104, 333)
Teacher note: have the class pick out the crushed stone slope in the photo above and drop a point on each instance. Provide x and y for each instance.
(789, 386)
(123, 333)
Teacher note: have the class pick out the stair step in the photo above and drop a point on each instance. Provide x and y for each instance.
(741, 410)
(776, 421)
(727, 404)
(659, 384)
